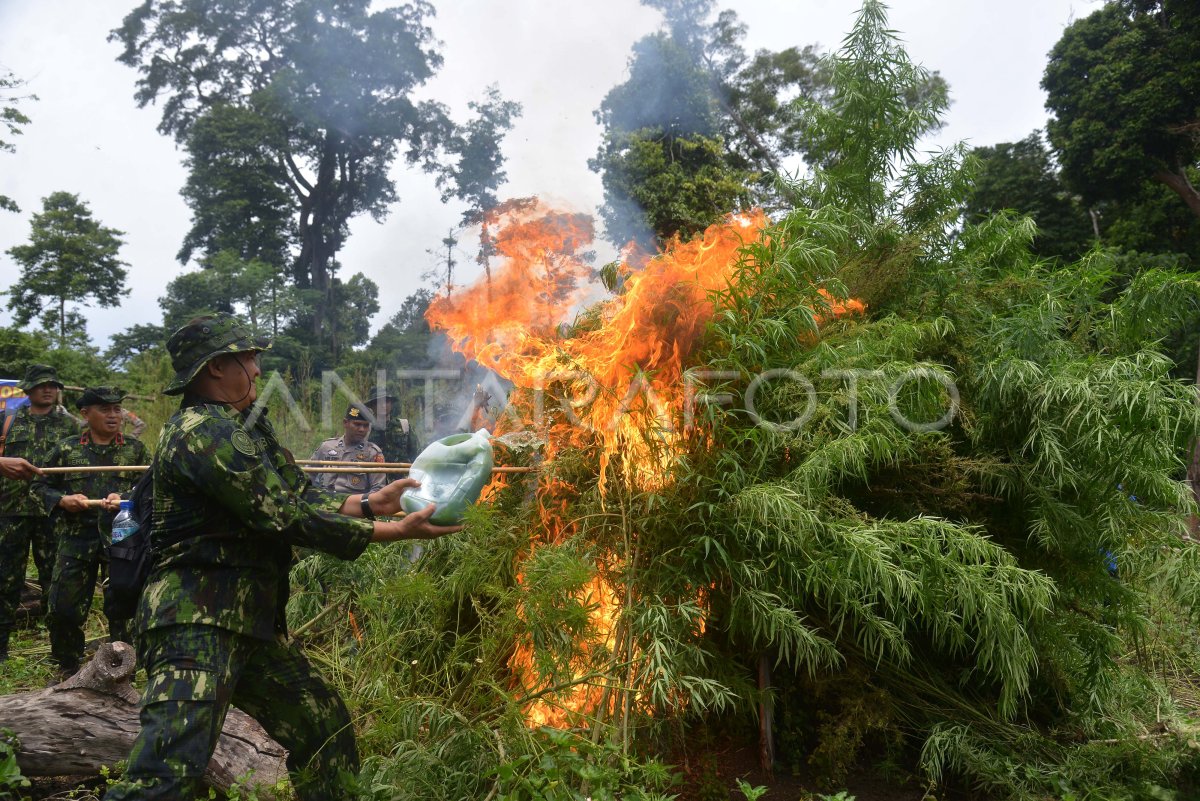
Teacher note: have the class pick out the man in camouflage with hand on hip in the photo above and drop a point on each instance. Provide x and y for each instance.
(229, 505)
(393, 434)
(31, 433)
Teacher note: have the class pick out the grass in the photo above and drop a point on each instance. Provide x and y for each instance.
(29, 666)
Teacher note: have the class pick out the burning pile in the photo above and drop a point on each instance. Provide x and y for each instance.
(618, 371)
(622, 372)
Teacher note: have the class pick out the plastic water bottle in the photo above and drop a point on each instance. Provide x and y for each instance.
(452, 472)
(124, 525)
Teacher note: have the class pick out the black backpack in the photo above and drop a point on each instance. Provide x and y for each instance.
(130, 560)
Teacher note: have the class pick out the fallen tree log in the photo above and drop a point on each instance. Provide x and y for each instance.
(89, 721)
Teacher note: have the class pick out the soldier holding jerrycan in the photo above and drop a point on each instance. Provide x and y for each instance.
(229, 505)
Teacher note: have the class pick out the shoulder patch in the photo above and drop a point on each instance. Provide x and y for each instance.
(189, 419)
(242, 443)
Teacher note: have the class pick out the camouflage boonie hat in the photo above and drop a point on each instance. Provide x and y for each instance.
(38, 374)
(100, 395)
(204, 338)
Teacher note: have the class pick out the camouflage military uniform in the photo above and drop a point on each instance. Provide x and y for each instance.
(349, 483)
(23, 520)
(397, 441)
(82, 536)
(394, 435)
(229, 505)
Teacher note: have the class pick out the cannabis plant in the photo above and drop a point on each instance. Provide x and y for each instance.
(952, 525)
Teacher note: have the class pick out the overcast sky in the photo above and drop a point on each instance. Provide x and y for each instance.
(558, 58)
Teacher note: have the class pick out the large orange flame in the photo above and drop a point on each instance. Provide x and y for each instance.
(621, 366)
(623, 371)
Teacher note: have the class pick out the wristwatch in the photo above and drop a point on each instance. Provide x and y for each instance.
(366, 506)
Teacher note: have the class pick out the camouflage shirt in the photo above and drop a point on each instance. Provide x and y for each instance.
(33, 437)
(398, 441)
(79, 451)
(229, 504)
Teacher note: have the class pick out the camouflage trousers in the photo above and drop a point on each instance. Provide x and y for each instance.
(76, 568)
(16, 536)
(194, 673)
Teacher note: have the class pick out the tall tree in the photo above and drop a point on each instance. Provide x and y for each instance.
(357, 301)
(19, 349)
(227, 283)
(1150, 220)
(445, 263)
(699, 128)
(1022, 176)
(11, 120)
(191, 294)
(404, 340)
(479, 171)
(673, 185)
(1123, 90)
(237, 188)
(331, 80)
(71, 259)
(135, 340)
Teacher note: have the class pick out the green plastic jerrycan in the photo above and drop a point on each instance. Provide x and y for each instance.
(452, 472)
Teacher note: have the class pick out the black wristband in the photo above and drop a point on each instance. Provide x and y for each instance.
(366, 506)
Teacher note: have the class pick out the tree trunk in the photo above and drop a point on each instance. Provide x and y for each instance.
(62, 322)
(323, 202)
(766, 718)
(90, 720)
(485, 253)
(450, 243)
(300, 267)
(1179, 184)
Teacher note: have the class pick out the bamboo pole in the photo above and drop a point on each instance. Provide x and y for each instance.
(99, 468)
(343, 462)
(374, 467)
(97, 503)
